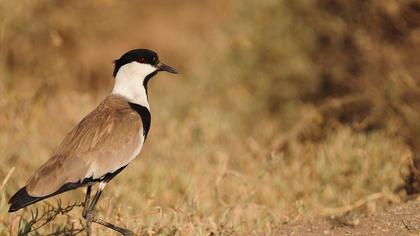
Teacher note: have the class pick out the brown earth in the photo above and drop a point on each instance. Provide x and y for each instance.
(400, 220)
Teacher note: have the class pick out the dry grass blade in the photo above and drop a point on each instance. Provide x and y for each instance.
(283, 106)
(308, 118)
(325, 211)
(7, 177)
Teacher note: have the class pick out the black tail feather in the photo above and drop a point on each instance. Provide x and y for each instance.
(22, 199)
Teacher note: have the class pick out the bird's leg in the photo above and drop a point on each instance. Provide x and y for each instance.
(87, 199)
(90, 217)
(85, 210)
(95, 200)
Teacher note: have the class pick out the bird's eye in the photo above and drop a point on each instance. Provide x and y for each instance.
(141, 60)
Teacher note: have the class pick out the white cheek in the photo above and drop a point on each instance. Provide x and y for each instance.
(137, 70)
(129, 82)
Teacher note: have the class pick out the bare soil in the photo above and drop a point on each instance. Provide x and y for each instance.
(400, 220)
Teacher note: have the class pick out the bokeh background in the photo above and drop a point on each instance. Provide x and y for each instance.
(282, 109)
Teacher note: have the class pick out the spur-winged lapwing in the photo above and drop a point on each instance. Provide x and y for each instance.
(103, 143)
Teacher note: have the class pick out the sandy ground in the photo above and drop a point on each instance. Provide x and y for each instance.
(400, 220)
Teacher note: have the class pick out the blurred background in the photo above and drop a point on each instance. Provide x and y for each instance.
(282, 108)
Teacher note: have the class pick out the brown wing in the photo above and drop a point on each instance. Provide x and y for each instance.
(103, 142)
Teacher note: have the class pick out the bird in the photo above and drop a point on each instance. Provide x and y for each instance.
(103, 143)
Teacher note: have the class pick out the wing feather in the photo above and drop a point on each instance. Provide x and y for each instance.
(103, 142)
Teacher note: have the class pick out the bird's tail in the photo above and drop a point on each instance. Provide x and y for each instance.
(22, 199)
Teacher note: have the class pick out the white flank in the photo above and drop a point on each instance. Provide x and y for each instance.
(101, 185)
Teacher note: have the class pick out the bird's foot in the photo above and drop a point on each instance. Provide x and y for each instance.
(91, 218)
(88, 216)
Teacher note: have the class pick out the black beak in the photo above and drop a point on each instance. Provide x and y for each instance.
(164, 67)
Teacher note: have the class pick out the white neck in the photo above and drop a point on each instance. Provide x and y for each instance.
(129, 82)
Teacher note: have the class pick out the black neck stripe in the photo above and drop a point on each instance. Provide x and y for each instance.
(146, 80)
(145, 116)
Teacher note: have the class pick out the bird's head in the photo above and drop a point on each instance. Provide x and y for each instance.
(133, 71)
(141, 63)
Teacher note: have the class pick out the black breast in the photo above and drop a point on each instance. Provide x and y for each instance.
(144, 114)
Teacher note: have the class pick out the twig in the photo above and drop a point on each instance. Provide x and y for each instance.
(344, 209)
(49, 213)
